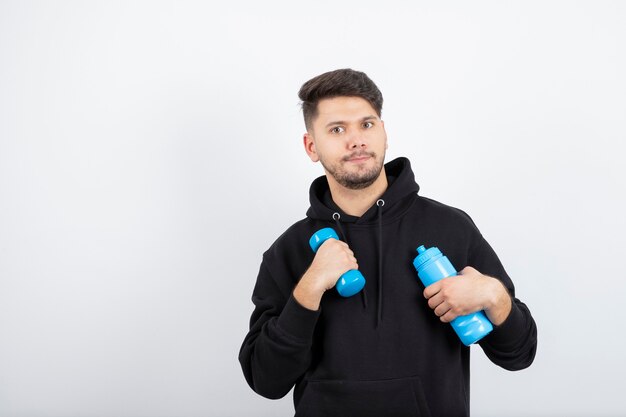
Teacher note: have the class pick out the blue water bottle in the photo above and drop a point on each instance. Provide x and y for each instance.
(352, 281)
(431, 267)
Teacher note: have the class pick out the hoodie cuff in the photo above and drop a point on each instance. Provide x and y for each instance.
(298, 321)
(508, 332)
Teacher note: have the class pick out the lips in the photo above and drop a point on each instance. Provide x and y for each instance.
(361, 157)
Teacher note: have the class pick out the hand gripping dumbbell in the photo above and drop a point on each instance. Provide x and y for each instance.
(352, 281)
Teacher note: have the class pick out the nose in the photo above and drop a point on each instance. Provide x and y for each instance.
(356, 140)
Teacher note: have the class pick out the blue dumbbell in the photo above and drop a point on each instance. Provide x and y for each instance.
(350, 282)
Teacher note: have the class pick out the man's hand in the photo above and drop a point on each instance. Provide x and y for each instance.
(466, 293)
(332, 259)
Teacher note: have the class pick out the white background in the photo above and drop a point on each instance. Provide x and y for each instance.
(150, 151)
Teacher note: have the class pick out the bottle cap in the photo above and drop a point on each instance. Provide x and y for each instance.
(425, 255)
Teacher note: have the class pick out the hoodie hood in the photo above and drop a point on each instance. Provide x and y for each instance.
(401, 191)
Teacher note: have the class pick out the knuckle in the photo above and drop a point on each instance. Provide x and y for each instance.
(459, 311)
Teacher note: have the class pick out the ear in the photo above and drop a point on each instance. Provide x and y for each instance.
(386, 143)
(309, 147)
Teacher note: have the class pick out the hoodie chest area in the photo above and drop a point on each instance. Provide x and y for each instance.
(386, 262)
(386, 252)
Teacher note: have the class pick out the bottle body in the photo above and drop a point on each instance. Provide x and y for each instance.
(352, 281)
(432, 266)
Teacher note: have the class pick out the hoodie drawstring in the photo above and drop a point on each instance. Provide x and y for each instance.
(336, 216)
(380, 203)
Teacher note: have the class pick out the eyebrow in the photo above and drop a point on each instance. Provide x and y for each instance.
(341, 122)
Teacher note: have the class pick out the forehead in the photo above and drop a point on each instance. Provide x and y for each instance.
(344, 109)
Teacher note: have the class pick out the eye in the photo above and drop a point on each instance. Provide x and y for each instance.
(368, 125)
(337, 129)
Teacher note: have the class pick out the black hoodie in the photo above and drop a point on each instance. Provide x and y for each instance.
(382, 352)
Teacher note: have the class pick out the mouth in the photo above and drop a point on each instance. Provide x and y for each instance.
(358, 158)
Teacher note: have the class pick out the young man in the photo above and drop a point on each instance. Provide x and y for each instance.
(389, 350)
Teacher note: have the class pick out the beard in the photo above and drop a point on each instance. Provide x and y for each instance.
(358, 179)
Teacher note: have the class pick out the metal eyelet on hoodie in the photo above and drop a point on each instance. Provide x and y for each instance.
(380, 202)
(336, 217)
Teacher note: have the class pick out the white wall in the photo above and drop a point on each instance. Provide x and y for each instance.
(150, 151)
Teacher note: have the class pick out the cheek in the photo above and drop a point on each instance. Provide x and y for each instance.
(329, 148)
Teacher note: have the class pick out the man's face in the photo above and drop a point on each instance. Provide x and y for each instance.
(349, 139)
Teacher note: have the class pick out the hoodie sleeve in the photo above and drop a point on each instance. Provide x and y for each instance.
(276, 352)
(513, 344)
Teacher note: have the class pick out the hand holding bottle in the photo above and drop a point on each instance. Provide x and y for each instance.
(465, 293)
(436, 273)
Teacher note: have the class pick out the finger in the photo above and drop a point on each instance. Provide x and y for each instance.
(353, 263)
(448, 317)
(349, 256)
(336, 243)
(435, 300)
(442, 309)
(432, 289)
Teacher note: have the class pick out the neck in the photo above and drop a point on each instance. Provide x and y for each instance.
(357, 202)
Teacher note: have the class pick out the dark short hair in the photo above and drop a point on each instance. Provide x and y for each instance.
(339, 83)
